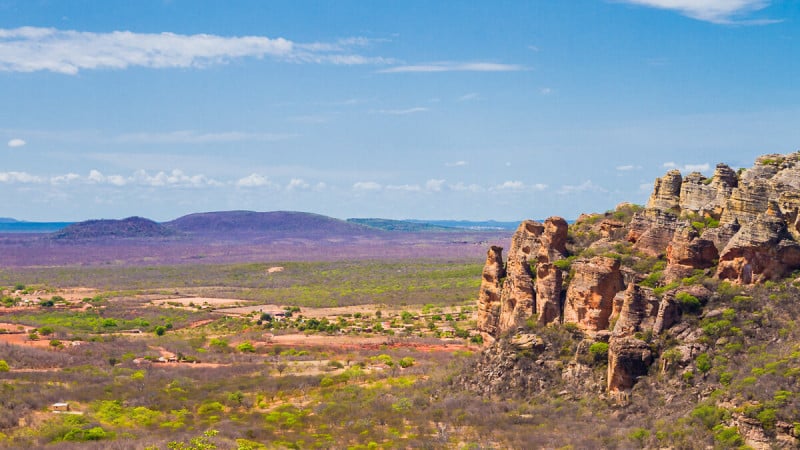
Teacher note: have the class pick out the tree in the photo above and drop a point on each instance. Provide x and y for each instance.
(160, 330)
(4, 366)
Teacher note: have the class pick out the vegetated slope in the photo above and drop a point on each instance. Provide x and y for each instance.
(251, 222)
(131, 227)
(400, 225)
(679, 316)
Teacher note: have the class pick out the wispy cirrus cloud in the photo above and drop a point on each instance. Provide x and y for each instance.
(725, 12)
(449, 66)
(32, 49)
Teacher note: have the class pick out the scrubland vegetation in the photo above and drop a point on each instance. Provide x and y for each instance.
(138, 375)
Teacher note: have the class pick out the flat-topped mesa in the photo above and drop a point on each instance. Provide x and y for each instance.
(590, 295)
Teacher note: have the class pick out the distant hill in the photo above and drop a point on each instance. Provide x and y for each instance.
(400, 225)
(251, 222)
(7, 220)
(488, 225)
(132, 227)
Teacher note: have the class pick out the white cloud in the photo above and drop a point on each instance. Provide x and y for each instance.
(545, 91)
(586, 186)
(518, 186)
(454, 67)
(297, 184)
(456, 164)
(404, 187)
(434, 185)
(253, 180)
(175, 178)
(366, 186)
(628, 167)
(714, 11)
(65, 179)
(688, 168)
(461, 187)
(19, 177)
(195, 137)
(470, 96)
(14, 143)
(697, 167)
(402, 112)
(31, 49)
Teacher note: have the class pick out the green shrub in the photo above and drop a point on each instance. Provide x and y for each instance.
(728, 437)
(246, 347)
(406, 362)
(709, 415)
(688, 302)
(599, 351)
(4, 366)
(703, 362)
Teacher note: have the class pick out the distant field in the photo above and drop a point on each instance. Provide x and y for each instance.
(310, 284)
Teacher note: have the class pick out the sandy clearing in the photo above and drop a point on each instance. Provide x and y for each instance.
(200, 301)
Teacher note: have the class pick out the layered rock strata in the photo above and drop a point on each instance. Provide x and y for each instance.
(590, 295)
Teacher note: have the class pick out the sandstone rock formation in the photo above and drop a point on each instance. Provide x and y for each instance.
(489, 296)
(508, 294)
(590, 296)
(628, 359)
(761, 250)
(549, 279)
(687, 252)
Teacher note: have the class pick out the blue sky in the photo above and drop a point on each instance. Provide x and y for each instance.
(400, 109)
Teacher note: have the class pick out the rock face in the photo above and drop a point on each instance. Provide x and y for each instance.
(628, 359)
(666, 192)
(508, 293)
(489, 297)
(687, 252)
(590, 296)
(651, 230)
(761, 250)
(752, 221)
(549, 279)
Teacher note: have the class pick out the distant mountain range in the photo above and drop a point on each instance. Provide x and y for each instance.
(240, 223)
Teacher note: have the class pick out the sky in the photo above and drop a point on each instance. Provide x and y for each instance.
(475, 110)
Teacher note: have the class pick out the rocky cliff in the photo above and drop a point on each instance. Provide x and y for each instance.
(624, 282)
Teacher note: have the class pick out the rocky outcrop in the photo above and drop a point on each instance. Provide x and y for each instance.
(538, 242)
(549, 279)
(590, 295)
(638, 312)
(761, 250)
(687, 252)
(666, 192)
(489, 296)
(651, 230)
(508, 293)
(628, 359)
(517, 298)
